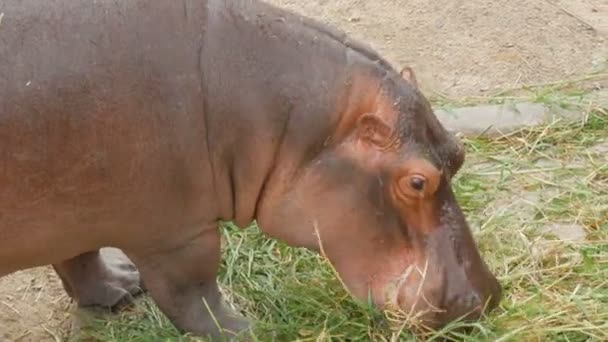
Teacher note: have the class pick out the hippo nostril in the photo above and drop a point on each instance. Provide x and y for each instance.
(470, 304)
(475, 300)
(467, 306)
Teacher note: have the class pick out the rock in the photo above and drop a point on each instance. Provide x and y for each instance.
(600, 149)
(496, 120)
(600, 96)
(569, 232)
(522, 206)
(547, 249)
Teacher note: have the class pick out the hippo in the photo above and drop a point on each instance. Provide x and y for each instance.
(139, 125)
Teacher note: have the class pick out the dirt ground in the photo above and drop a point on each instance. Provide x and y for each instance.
(470, 47)
(457, 47)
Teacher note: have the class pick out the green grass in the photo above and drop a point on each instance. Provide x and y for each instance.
(511, 189)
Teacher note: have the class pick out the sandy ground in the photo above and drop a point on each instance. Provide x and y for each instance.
(457, 47)
(469, 47)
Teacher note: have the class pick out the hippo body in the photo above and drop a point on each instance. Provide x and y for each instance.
(141, 124)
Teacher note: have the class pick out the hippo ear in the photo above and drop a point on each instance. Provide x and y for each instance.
(408, 74)
(373, 129)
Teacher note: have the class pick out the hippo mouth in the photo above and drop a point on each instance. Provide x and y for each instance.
(396, 298)
(417, 298)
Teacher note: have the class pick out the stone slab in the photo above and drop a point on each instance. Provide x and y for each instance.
(569, 232)
(550, 247)
(601, 148)
(600, 98)
(495, 120)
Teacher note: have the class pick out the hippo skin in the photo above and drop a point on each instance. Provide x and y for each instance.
(139, 125)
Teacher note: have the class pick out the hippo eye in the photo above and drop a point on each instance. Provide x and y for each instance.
(414, 187)
(417, 183)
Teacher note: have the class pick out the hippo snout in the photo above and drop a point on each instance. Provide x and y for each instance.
(437, 298)
(470, 302)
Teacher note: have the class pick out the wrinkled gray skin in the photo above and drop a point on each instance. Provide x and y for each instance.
(140, 124)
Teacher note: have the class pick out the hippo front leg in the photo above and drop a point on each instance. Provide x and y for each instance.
(181, 278)
(105, 278)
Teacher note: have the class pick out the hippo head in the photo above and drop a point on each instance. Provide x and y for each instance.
(377, 202)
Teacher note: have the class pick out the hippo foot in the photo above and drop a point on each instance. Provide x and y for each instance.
(181, 279)
(234, 322)
(104, 278)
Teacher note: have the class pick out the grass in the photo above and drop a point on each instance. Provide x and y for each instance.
(512, 189)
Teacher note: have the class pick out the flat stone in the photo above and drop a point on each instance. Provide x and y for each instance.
(522, 206)
(600, 149)
(599, 98)
(547, 163)
(569, 232)
(496, 120)
(545, 249)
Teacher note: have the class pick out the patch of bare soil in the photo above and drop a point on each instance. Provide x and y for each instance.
(470, 47)
(457, 47)
(33, 307)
